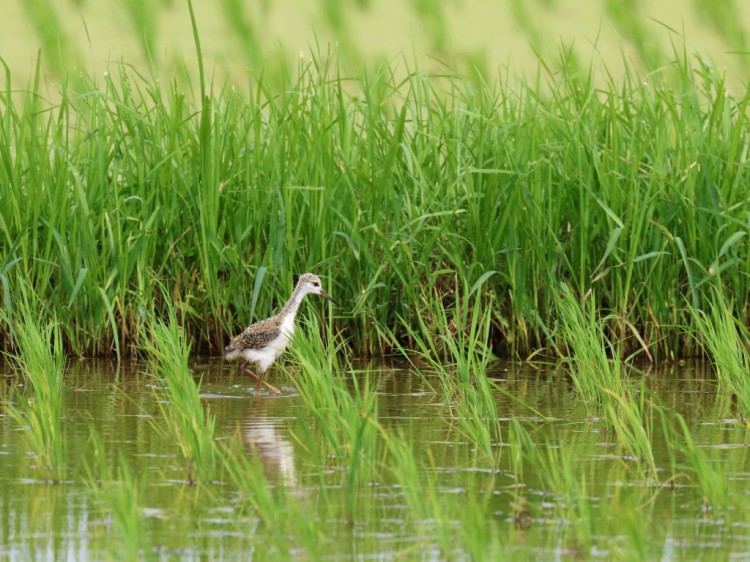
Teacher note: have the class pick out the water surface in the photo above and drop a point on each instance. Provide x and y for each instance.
(67, 521)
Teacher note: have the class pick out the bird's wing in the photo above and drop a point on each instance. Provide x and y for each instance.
(256, 336)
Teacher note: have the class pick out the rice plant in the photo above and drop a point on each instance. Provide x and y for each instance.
(38, 362)
(600, 377)
(549, 462)
(727, 341)
(412, 186)
(288, 524)
(121, 493)
(704, 471)
(419, 487)
(345, 424)
(185, 420)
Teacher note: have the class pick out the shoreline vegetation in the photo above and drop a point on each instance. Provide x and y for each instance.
(416, 199)
(601, 222)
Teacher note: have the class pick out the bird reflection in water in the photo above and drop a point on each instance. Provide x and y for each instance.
(264, 436)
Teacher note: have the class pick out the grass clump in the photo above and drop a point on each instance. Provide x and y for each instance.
(345, 424)
(454, 342)
(728, 343)
(397, 184)
(287, 524)
(39, 362)
(455, 337)
(600, 378)
(182, 412)
(549, 464)
(701, 469)
(121, 493)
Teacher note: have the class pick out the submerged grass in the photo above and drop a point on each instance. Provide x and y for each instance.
(342, 404)
(121, 493)
(600, 377)
(39, 362)
(728, 343)
(183, 415)
(398, 190)
(551, 465)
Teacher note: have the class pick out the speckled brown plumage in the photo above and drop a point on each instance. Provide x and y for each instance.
(256, 336)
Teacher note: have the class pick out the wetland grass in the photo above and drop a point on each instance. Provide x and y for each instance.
(633, 413)
(589, 518)
(454, 205)
(121, 493)
(284, 521)
(185, 420)
(346, 426)
(341, 432)
(703, 470)
(602, 379)
(402, 183)
(418, 485)
(456, 337)
(39, 362)
(727, 342)
(454, 343)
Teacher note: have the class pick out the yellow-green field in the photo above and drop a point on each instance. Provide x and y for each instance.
(489, 35)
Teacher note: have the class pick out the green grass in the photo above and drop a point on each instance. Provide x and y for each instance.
(285, 522)
(339, 426)
(610, 389)
(555, 483)
(182, 413)
(398, 192)
(444, 210)
(38, 362)
(703, 470)
(121, 494)
(549, 462)
(726, 340)
(454, 343)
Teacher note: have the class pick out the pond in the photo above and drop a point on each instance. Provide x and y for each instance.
(453, 502)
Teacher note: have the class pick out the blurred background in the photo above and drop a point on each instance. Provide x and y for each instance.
(502, 36)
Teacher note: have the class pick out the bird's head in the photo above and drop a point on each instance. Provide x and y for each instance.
(310, 284)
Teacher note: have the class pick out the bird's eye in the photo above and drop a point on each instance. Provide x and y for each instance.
(316, 284)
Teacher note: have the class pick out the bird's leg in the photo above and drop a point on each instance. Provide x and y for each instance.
(271, 389)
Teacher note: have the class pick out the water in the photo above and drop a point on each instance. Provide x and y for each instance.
(519, 517)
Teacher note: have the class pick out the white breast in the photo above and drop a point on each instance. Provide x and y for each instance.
(287, 329)
(265, 357)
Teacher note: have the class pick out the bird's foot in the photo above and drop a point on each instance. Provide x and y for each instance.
(271, 389)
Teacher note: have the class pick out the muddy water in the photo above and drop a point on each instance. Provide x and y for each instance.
(66, 521)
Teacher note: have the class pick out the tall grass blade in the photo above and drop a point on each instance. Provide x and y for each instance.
(39, 362)
(185, 420)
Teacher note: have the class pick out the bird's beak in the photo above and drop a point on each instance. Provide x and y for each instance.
(326, 295)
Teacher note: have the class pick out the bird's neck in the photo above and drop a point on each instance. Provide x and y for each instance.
(292, 305)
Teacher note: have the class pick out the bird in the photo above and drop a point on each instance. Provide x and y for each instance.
(263, 342)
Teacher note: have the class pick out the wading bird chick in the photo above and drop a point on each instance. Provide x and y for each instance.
(262, 343)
